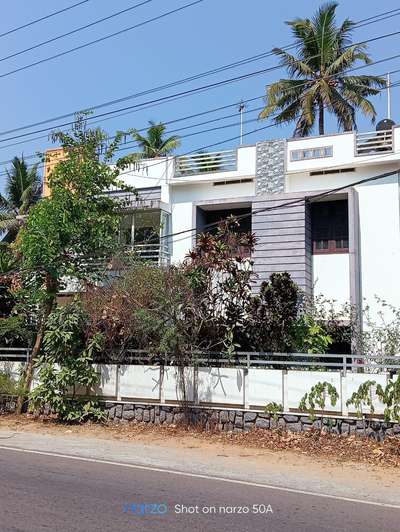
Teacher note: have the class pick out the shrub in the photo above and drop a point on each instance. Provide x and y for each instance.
(65, 365)
(316, 398)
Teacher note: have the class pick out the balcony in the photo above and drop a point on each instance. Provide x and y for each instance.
(342, 151)
(156, 253)
(142, 235)
(374, 142)
(201, 163)
(227, 165)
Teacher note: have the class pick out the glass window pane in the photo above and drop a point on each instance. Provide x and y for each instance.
(342, 243)
(322, 244)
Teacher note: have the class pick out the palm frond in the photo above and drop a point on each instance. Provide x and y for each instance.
(281, 94)
(325, 31)
(294, 66)
(154, 144)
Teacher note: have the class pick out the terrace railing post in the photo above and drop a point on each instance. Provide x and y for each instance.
(344, 365)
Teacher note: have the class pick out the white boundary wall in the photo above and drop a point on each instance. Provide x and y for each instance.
(242, 387)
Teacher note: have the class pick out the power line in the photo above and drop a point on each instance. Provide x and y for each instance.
(184, 80)
(196, 90)
(76, 30)
(100, 39)
(394, 85)
(287, 204)
(13, 30)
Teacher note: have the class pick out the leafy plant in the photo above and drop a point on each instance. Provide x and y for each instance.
(274, 409)
(390, 396)
(272, 313)
(66, 365)
(9, 385)
(363, 396)
(310, 336)
(316, 399)
(14, 332)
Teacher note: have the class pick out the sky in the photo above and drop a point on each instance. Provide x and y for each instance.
(202, 37)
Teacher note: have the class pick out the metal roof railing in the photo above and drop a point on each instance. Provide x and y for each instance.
(200, 163)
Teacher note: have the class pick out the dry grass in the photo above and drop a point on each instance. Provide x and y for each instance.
(331, 447)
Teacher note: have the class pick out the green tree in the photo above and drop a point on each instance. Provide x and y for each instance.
(66, 367)
(23, 189)
(67, 233)
(154, 144)
(318, 79)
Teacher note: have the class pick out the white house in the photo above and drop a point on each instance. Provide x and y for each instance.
(344, 245)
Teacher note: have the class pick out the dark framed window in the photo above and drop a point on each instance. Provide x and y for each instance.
(330, 227)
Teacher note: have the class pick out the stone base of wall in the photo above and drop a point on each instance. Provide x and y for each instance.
(237, 420)
(8, 404)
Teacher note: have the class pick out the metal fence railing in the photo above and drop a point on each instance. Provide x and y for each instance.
(15, 354)
(292, 361)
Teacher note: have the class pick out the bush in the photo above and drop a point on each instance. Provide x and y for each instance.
(8, 385)
(65, 365)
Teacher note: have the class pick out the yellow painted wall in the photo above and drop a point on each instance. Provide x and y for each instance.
(53, 157)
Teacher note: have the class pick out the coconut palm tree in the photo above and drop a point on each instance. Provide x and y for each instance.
(153, 145)
(22, 190)
(318, 79)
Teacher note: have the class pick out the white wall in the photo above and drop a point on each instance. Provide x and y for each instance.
(343, 152)
(302, 181)
(152, 173)
(182, 198)
(380, 241)
(331, 277)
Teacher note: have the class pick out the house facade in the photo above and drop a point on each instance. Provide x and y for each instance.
(304, 198)
(318, 206)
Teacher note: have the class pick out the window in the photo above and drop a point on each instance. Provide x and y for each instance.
(312, 153)
(330, 227)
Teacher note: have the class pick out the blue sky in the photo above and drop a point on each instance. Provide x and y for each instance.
(208, 35)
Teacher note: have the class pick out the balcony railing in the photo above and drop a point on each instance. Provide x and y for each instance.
(200, 163)
(374, 142)
(158, 253)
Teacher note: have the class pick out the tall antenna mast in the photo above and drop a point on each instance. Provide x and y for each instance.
(389, 97)
(241, 109)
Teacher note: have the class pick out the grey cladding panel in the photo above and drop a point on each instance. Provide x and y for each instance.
(283, 240)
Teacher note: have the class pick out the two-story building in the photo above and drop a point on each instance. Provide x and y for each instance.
(312, 203)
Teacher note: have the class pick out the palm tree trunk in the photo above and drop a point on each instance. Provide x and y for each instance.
(51, 289)
(321, 118)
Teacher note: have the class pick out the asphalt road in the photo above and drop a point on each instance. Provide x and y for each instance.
(49, 493)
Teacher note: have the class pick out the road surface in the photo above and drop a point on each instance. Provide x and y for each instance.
(44, 492)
